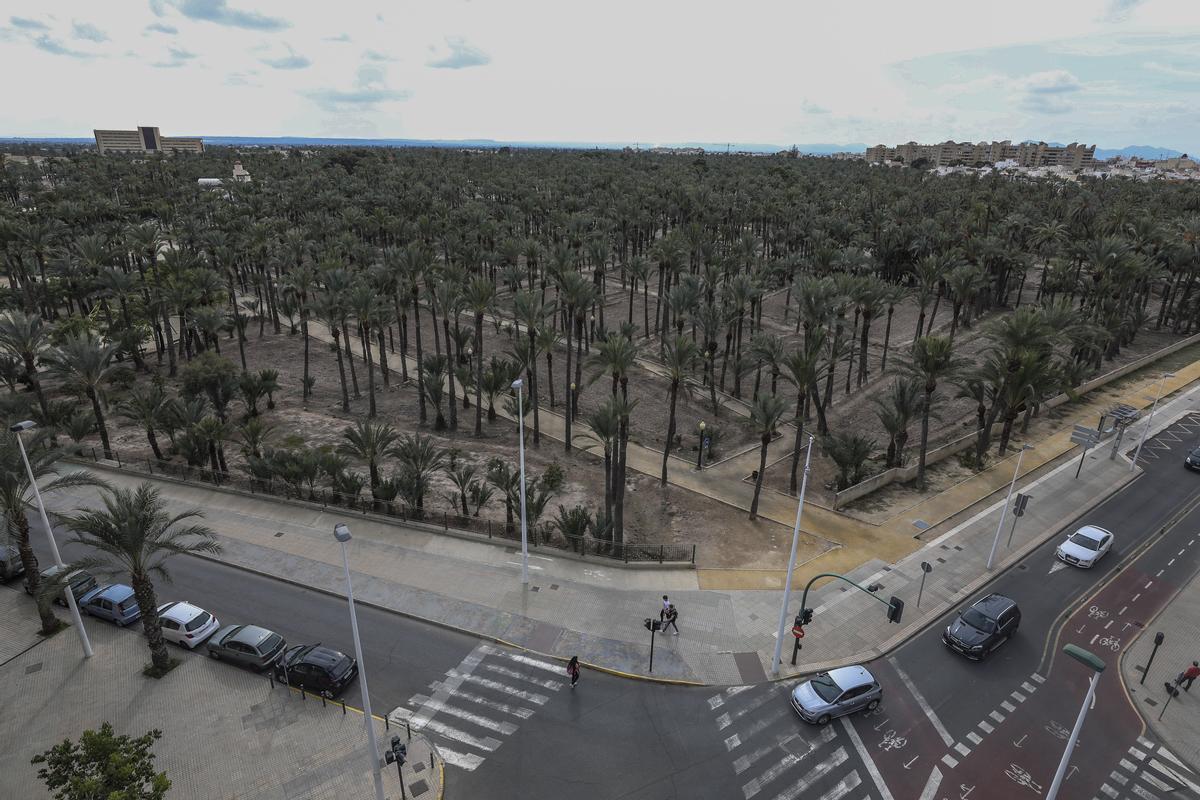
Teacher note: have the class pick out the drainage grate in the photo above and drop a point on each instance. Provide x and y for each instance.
(419, 788)
(32, 668)
(941, 561)
(920, 524)
(554, 587)
(278, 534)
(535, 588)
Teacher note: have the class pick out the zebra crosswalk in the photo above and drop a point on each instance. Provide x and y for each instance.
(1150, 772)
(480, 702)
(775, 755)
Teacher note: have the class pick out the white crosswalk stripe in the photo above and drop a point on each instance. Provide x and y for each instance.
(470, 712)
(1151, 772)
(776, 755)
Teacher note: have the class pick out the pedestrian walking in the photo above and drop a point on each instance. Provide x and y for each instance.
(573, 670)
(1189, 675)
(671, 615)
(662, 612)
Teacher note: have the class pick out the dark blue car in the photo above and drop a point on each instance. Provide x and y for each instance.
(113, 602)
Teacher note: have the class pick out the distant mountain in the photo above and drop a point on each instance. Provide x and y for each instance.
(1138, 151)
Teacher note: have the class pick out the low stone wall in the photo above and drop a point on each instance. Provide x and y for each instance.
(908, 473)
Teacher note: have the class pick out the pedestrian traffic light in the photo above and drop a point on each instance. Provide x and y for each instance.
(653, 624)
(895, 609)
(806, 616)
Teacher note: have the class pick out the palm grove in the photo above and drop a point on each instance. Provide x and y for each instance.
(764, 289)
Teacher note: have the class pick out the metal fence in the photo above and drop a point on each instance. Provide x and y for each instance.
(540, 536)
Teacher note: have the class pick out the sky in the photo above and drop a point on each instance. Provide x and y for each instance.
(1106, 72)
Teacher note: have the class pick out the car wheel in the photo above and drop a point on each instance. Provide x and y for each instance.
(823, 719)
(214, 655)
(874, 704)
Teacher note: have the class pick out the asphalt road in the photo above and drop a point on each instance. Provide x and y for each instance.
(512, 728)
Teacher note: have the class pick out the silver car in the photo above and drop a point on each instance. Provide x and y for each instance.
(247, 644)
(835, 693)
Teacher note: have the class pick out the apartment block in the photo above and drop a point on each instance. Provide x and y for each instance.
(1027, 154)
(145, 139)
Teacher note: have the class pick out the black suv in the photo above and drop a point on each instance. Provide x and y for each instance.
(983, 627)
(318, 669)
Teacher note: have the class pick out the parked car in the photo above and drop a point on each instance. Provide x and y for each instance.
(1193, 459)
(113, 602)
(185, 624)
(836, 693)
(1085, 547)
(247, 644)
(319, 669)
(11, 564)
(81, 582)
(983, 627)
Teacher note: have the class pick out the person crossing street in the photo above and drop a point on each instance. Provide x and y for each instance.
(573, 670)
(670, 615)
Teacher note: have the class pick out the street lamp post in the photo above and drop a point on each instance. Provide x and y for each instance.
(1149, 419)
(1097, 667)
(342, 534)
(517, 384)
(787, 583)
(1007, 500)
(700, 455)
(76, 620)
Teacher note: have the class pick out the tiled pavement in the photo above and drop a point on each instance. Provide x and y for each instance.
(237, 736)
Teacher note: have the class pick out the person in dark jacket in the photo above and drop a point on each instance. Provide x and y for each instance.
(573, 670)
(671, 615)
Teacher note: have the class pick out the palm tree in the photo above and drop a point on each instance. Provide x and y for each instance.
(679, 358)
(369, 442)
(929, 272)
(896, 410)
(849, 451)
(479, 297)
(765, 415)
(605, 425)
(17, 499)
(328, 309)
(302, 280)
(269, 381)
(361, 300)
(932, 362)
(145, 405)
(135, 534)
(802, 367)
(86, 364)
(420, 459)
(433, 372)
(530, 311)
(24, 337)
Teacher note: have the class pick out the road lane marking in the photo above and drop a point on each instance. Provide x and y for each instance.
(815, 774)
(1159, 574)
(996, 715)
(1138, 754)
(931, 785)
(950, 761)
(1128, 765)
(1148, 585)
(868, 762)
(1038, 678)
(1108, 624)
(947, 739)
(1118, 777)
(736, 739)
(1028, 687)
(553, 686)
(529, 697)
(486, 743)
(1020, 698)
(462, 694)
(847, 785)
(440, 707)
(755, 786)
(1142, 793)
(1109, 791)
(1135, 597)
(962, 749)
(467, 761)
(718, 700)
(557, 669)
(1122, 611)
(974, 738)
(1007, 706)
(727, 719)
(986, 727)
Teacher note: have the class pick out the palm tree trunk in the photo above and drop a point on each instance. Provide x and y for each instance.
(420, 356)
(451, 360)
(758, 481)
(337, 348)
(170, 344)
(33, 574)
(533, 392)
(350, 358)
(383, 365)
(307, 392)
(619, 481)
(801, 413)
(670, 431)
(568, 411)
(366, 345)
(100, 424)
(863, 372)
(925, 409)
(154, 443)
(143, 591)
(478, 374)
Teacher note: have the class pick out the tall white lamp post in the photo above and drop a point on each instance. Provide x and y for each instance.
(76, 620)
(1149, 419)
(517, 384)
(787, 583)
(1007, 500)
(342, 534)
(1097, 667)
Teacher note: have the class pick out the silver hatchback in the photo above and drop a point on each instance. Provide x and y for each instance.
(835, 693)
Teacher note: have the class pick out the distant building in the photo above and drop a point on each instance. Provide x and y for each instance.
(240, 175)
(1181, 163)
(145, 140)
(949, 153)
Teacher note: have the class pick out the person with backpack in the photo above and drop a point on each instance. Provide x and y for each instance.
(573, 670)
(672, 614)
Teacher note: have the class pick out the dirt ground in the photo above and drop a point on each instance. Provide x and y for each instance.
(723, 536)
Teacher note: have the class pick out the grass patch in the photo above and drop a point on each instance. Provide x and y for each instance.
(151, 671)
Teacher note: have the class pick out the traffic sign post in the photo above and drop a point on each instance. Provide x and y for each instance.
(1087, 437)
(1018, 511)
(652, 625)
(397, 754)
(926, 568)
(798, 632)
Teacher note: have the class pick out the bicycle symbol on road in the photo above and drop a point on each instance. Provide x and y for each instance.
(1021, 777)
(1095, 612)
(891, 741)
(1057, 731)
(1111, 642)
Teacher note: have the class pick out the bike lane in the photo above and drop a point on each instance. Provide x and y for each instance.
(1020, 757)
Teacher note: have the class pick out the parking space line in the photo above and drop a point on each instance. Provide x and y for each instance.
(947, 739)
(868, 762)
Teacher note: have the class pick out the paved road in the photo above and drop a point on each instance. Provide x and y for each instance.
(510, 727)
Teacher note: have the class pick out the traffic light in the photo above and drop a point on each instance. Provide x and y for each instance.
(806, 616)
(653, 624)
(895, 609)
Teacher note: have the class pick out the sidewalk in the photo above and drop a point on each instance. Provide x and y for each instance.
(1179, 622)
(238, 736)
(595, 610)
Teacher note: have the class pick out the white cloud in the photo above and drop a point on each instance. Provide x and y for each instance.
(460, 56)
(88, 31)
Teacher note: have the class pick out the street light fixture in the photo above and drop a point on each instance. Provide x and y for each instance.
(700, 455)
(342, 534)
(1097, 665)
(787, 583)
(1149, 419)
(1007, 500)
(516, 385)
(76, 620)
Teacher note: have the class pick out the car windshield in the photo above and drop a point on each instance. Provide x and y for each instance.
(825, 688)
(1084, 540)
(198, 621)
(270, 643)
(977, 620)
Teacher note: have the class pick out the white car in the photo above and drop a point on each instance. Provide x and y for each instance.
(1085, 547)
(185, 624)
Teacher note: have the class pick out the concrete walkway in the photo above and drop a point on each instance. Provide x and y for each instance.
(238, 737)
(595, 610)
